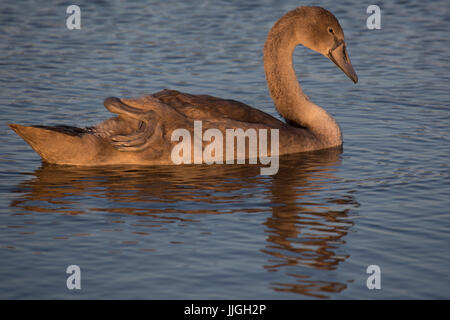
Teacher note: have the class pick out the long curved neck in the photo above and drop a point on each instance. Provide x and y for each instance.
(285, 89)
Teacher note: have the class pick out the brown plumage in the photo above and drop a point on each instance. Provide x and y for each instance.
(141, 133)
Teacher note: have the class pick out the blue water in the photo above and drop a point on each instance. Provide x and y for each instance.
(223, 232)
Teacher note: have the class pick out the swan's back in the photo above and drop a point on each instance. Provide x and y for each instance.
(206, 107)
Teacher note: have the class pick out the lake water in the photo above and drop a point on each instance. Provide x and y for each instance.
(220, 232)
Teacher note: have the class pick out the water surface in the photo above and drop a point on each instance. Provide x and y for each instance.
(206, 232)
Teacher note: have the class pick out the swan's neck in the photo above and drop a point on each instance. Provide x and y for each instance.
(286, 91)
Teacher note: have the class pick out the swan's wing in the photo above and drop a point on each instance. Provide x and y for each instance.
(140, 118)
(134, 129)
(203, 107)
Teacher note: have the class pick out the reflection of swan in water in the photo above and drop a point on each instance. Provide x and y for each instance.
(307, 232)
(305, 223)
(141, 134)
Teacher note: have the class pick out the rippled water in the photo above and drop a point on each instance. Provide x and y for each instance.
(226, 231)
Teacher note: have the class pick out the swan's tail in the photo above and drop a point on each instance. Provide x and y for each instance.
(60, 144)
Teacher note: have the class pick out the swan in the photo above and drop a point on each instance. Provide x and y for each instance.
(141, 132)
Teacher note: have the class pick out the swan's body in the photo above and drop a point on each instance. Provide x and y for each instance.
(141, 134)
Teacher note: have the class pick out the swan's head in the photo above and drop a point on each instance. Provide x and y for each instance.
(319, 30)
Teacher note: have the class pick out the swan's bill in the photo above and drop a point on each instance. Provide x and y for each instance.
(340, 57)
